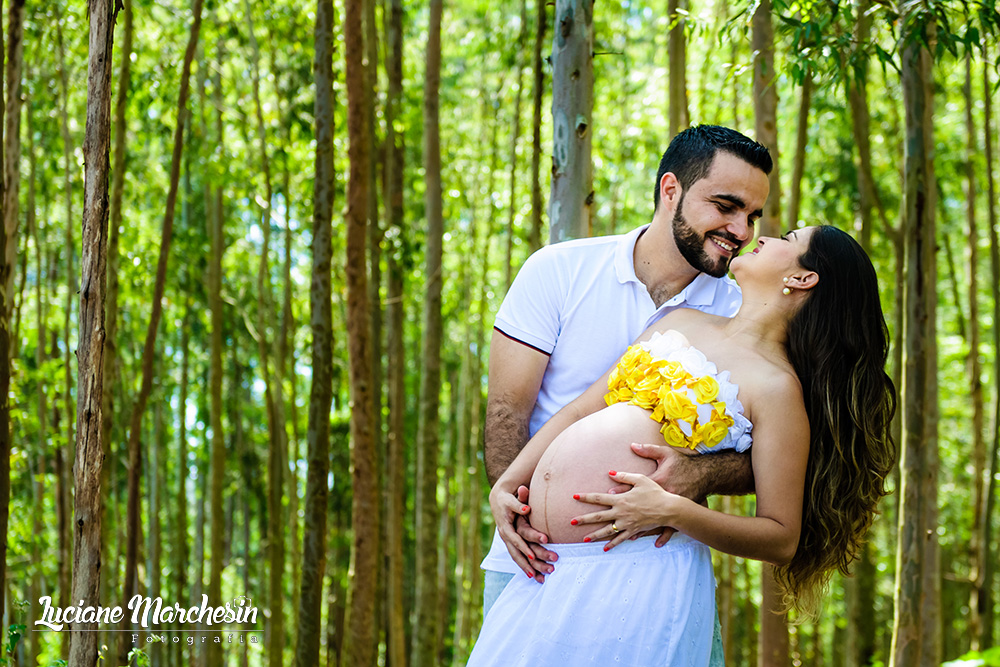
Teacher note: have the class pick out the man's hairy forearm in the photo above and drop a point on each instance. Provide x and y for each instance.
(722, 474)
(505, 436)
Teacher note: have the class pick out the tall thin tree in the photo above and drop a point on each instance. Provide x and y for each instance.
(321, 323)
(395, 482)
(426, 595)
(149, 347)
(572, 121)
(90, 351)
(916, 554)
(360, 626)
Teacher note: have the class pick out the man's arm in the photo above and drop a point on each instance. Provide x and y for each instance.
(699, 476)
(515, 376)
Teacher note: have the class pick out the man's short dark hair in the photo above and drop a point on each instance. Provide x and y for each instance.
(691, 152)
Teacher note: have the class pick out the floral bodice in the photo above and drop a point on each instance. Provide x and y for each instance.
(696, 403)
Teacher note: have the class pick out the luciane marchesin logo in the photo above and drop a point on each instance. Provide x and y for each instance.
(149, 613)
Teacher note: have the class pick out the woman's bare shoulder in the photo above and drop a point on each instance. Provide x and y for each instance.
(685, 319)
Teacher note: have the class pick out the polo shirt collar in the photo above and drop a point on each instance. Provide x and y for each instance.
(699, 292)
(625, 255)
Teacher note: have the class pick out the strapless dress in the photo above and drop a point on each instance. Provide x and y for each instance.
(634, 605)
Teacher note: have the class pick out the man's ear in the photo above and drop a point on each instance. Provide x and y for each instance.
(803, 280)
(670, 188)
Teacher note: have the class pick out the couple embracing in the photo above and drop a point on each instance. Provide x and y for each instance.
(643, 375)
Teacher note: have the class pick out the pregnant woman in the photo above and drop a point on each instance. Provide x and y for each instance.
(800, 368)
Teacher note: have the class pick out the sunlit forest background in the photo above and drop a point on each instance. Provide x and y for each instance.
(313, 212)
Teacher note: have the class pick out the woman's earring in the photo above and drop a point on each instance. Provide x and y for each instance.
(786, 291)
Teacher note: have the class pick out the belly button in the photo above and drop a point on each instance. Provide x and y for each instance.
(547, 476)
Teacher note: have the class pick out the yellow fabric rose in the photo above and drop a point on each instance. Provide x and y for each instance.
(674, 372)
(711, 433)
(673, 435)
(705, 388)
(678, 406)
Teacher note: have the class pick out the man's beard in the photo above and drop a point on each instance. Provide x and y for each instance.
(692, 246)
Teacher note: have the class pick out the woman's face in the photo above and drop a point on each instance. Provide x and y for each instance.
(774, 258)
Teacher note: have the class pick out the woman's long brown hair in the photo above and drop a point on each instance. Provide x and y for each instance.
(838, 343)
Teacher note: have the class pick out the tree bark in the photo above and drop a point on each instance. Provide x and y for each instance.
(974, 365)
(111, 297)
(93, 273)
(361, 628)
(41, 309)
(321, 322)
(218, 534)
(773, 638)
(535, 235)
(425, 651)
(65, 594)
(274, 405)
(765, 95)
(677, 111)
(522, 39)
(395, 486)
(985, 584)
(11, 167)
(572, 121)
(149, 347)
(916, 552)
(799, 160)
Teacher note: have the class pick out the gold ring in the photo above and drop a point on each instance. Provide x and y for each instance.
(614, 528)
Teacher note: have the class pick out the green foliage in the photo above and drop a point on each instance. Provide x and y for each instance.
(988, 658)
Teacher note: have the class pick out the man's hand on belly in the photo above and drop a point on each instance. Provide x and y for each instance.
(535, 539)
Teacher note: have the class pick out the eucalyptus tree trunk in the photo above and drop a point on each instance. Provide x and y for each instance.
(217, 451)
(181, 554)
(773, 638)
(274, 405)
(154, 549)
(12, 134)
(71, 289)
(535, 234)
(321, 323)
(149, 347)
(425, 632)
(522, 39)
(572, 121)
(11, 165)
(974, 365)
(916, 636)
(90, 350)
(799, 159)
(677, 111)
(765, 97)
(109, 580)
(395, 485)
(361, 627)
(41, 309)
(286, 358)
(985, 603)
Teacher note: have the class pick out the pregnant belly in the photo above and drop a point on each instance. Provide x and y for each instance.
(578, 461)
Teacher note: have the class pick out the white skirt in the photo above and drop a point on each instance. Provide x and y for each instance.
(634, 605)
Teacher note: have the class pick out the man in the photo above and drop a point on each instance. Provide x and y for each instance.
(576, 306)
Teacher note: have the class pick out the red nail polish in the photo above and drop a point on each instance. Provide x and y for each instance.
(576, 496)
(586, 539)
(606, 548)
(525, 508)
(531, 557)
(573, 522)
(612, 473)
(530, 575)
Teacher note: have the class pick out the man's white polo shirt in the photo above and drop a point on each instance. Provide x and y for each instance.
(581, 303)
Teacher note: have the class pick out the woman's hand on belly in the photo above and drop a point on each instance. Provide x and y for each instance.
(645, 506)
